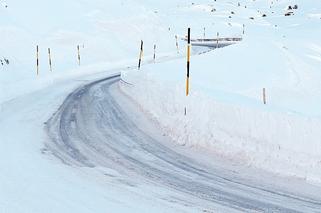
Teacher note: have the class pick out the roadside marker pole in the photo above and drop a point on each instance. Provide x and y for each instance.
(264, 95)
(204, 33)
(154, 53)
(37, 60)
(78, 50)
(218, 34)
(49, 55)
(141, 53)
(243, 29)
(177, 47)
(188, 62)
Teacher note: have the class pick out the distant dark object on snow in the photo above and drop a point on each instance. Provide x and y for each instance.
(294, 7)
(290, 13)
(4, 61)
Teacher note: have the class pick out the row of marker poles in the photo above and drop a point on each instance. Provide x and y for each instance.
(141, 53)
(188, 63)
(50, 58)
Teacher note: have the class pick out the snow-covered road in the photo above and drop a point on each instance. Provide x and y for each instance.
(97, 126)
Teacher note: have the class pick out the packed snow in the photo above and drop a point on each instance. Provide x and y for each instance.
(225, 111)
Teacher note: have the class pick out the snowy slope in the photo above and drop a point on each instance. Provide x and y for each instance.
(107, 32)
(225, 109)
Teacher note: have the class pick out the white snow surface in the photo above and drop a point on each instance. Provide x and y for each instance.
(225, 110)
(225, 113)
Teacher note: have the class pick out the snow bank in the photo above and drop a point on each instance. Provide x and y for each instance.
(225, 112)
(285, 143)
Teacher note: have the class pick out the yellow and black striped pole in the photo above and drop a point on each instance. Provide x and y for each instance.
(141, 53)
(49, 55)
(188, 59)
(78, 50)
(37, 60)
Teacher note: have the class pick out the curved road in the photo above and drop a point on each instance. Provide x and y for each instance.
(93, 128)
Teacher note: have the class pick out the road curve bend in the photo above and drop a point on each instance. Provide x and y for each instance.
(92, 128)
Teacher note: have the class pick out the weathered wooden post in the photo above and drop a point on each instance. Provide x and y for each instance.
(204, 33)
(49, 55)
(154, 57)
(78, 50)
(264, 96)
(141, 53)
(37, 60)
(218, 34)
(177, 47)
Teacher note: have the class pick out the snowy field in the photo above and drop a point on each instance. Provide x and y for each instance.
(227, 126)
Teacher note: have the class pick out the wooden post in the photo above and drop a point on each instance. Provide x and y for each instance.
(264, 96)
(177, 47)
(141, 53)
(78, 50)
(154, 57)
(218, 34)
(49, 55)
(204, 33)
(243, 29)
(37, 60)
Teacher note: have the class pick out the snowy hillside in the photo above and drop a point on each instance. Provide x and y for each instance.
(71, 142)
(225, 109)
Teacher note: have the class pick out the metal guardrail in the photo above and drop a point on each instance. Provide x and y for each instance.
(214, 39)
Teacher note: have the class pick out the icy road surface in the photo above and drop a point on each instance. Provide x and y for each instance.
(97, 126)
